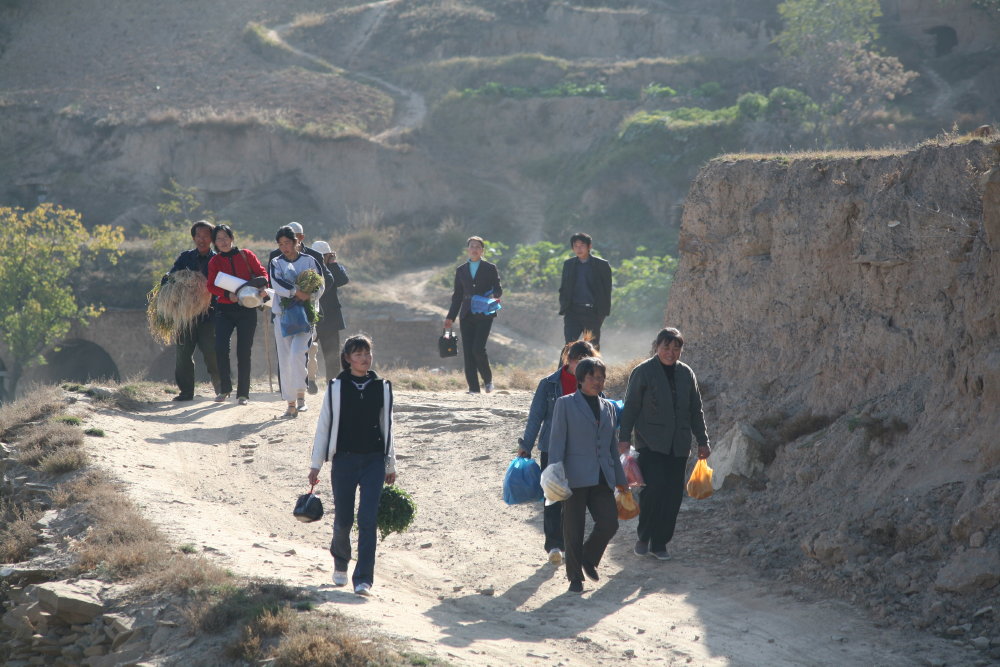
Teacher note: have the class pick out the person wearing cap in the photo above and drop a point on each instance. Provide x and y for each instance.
(202, 334)
(328, 281)
(328, 329)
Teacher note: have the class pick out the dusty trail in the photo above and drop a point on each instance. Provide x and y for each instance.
(469, 582)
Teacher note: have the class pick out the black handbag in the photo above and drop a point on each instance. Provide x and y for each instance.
(308, 507)
(448, 344)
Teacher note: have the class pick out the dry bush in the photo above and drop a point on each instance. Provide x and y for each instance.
(64, 459)
(132, 395)
(246, 647)
(17, 533)
(221, 607)
(512, 377)
(616, 378)
(315, 647)
(425, 379)
(41, 440)
(183, 574)
(37, 404)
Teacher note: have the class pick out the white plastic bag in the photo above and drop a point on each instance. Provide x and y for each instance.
(554, 484)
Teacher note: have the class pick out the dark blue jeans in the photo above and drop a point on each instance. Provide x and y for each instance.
(350, 472)
(552, 518)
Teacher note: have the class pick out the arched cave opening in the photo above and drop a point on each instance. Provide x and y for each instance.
(945, 39)
(77, 361)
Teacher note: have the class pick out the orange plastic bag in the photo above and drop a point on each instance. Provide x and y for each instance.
(699, 486)
(627, 507)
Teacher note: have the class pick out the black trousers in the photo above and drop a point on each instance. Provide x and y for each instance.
(600, 500)
(475, 330)
(660, 499)
(230, 316)
(579, 319)
(329, 342)
(552, 522)
(201, 337)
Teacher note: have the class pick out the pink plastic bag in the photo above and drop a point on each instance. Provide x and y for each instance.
(632, 473)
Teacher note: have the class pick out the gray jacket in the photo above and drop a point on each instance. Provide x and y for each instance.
(649, 410)
(583, 445)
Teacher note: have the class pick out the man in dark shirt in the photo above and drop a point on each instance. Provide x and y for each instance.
(328, 329)
(585, 291)
(202, 335)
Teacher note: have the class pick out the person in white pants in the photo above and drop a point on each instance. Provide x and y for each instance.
(284, 270)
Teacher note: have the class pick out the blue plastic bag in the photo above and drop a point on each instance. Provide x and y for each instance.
(484, 304)
(523, 482)
(294, 320)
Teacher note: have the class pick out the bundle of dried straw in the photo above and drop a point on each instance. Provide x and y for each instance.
(174, 307)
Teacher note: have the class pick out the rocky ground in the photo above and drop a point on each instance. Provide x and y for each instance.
(469, 583)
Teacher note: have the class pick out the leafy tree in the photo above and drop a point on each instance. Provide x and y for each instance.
(41, 253)
(642, 285)
(827, 48)
(173, 233)
(812, 23)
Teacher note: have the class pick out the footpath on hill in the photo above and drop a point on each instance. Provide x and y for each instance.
(469, 582)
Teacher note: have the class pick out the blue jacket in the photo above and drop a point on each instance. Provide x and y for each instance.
(586, 446)
(540, 414)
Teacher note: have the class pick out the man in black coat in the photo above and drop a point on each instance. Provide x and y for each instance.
(328, 329)
(202, 335)
(328, 282)
(585, 291)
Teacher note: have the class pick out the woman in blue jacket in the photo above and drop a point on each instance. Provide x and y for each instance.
(583, 439)
(550, 388)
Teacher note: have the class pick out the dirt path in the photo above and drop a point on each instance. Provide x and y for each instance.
(469, 582)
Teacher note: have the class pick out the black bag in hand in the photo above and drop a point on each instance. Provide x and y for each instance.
(308, 507)
(448, 344)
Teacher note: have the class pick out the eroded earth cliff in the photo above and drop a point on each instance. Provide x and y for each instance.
(842, 315)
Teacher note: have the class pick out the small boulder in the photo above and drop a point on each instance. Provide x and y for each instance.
(737, 453)
(969, 571)
(69, 602)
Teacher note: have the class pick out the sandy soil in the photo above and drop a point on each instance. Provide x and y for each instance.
(469, 583)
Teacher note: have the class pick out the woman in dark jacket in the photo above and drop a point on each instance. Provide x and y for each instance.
(550, 388)
(476, 277)
(229, 314)
(663, 408)
(583, 440)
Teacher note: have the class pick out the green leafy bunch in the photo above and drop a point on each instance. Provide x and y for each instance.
(309, 282)
(396, 511)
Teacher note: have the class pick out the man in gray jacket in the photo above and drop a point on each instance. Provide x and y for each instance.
(663, 409)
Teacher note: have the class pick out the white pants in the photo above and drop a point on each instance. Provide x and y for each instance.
(292, 362)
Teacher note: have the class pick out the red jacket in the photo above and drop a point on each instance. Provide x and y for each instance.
(234, 265)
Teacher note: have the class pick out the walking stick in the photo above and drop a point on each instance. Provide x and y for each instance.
(267, 348)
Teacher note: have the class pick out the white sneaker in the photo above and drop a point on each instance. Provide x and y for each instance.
(555, 556)
(363, 589)
(301, 405)
(339, 578)
(489, 387)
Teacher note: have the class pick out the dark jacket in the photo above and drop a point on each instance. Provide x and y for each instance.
(649, 410)
(601, 287)
(329, 303)
(487, 279)
(540, 414)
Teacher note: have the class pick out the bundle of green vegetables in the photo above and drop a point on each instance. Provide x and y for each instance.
(396, 510)
(309, 282)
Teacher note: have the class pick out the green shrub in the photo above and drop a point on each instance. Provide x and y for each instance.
(96, 432)
(655, 90)
(69, 419)
(537, 266)
(642, 285)
(790, 105)
(752, 105)
(709, 89)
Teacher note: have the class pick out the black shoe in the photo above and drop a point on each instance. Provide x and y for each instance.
(182, 397)
(590, 571)
(311, 387)
(576, 587)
